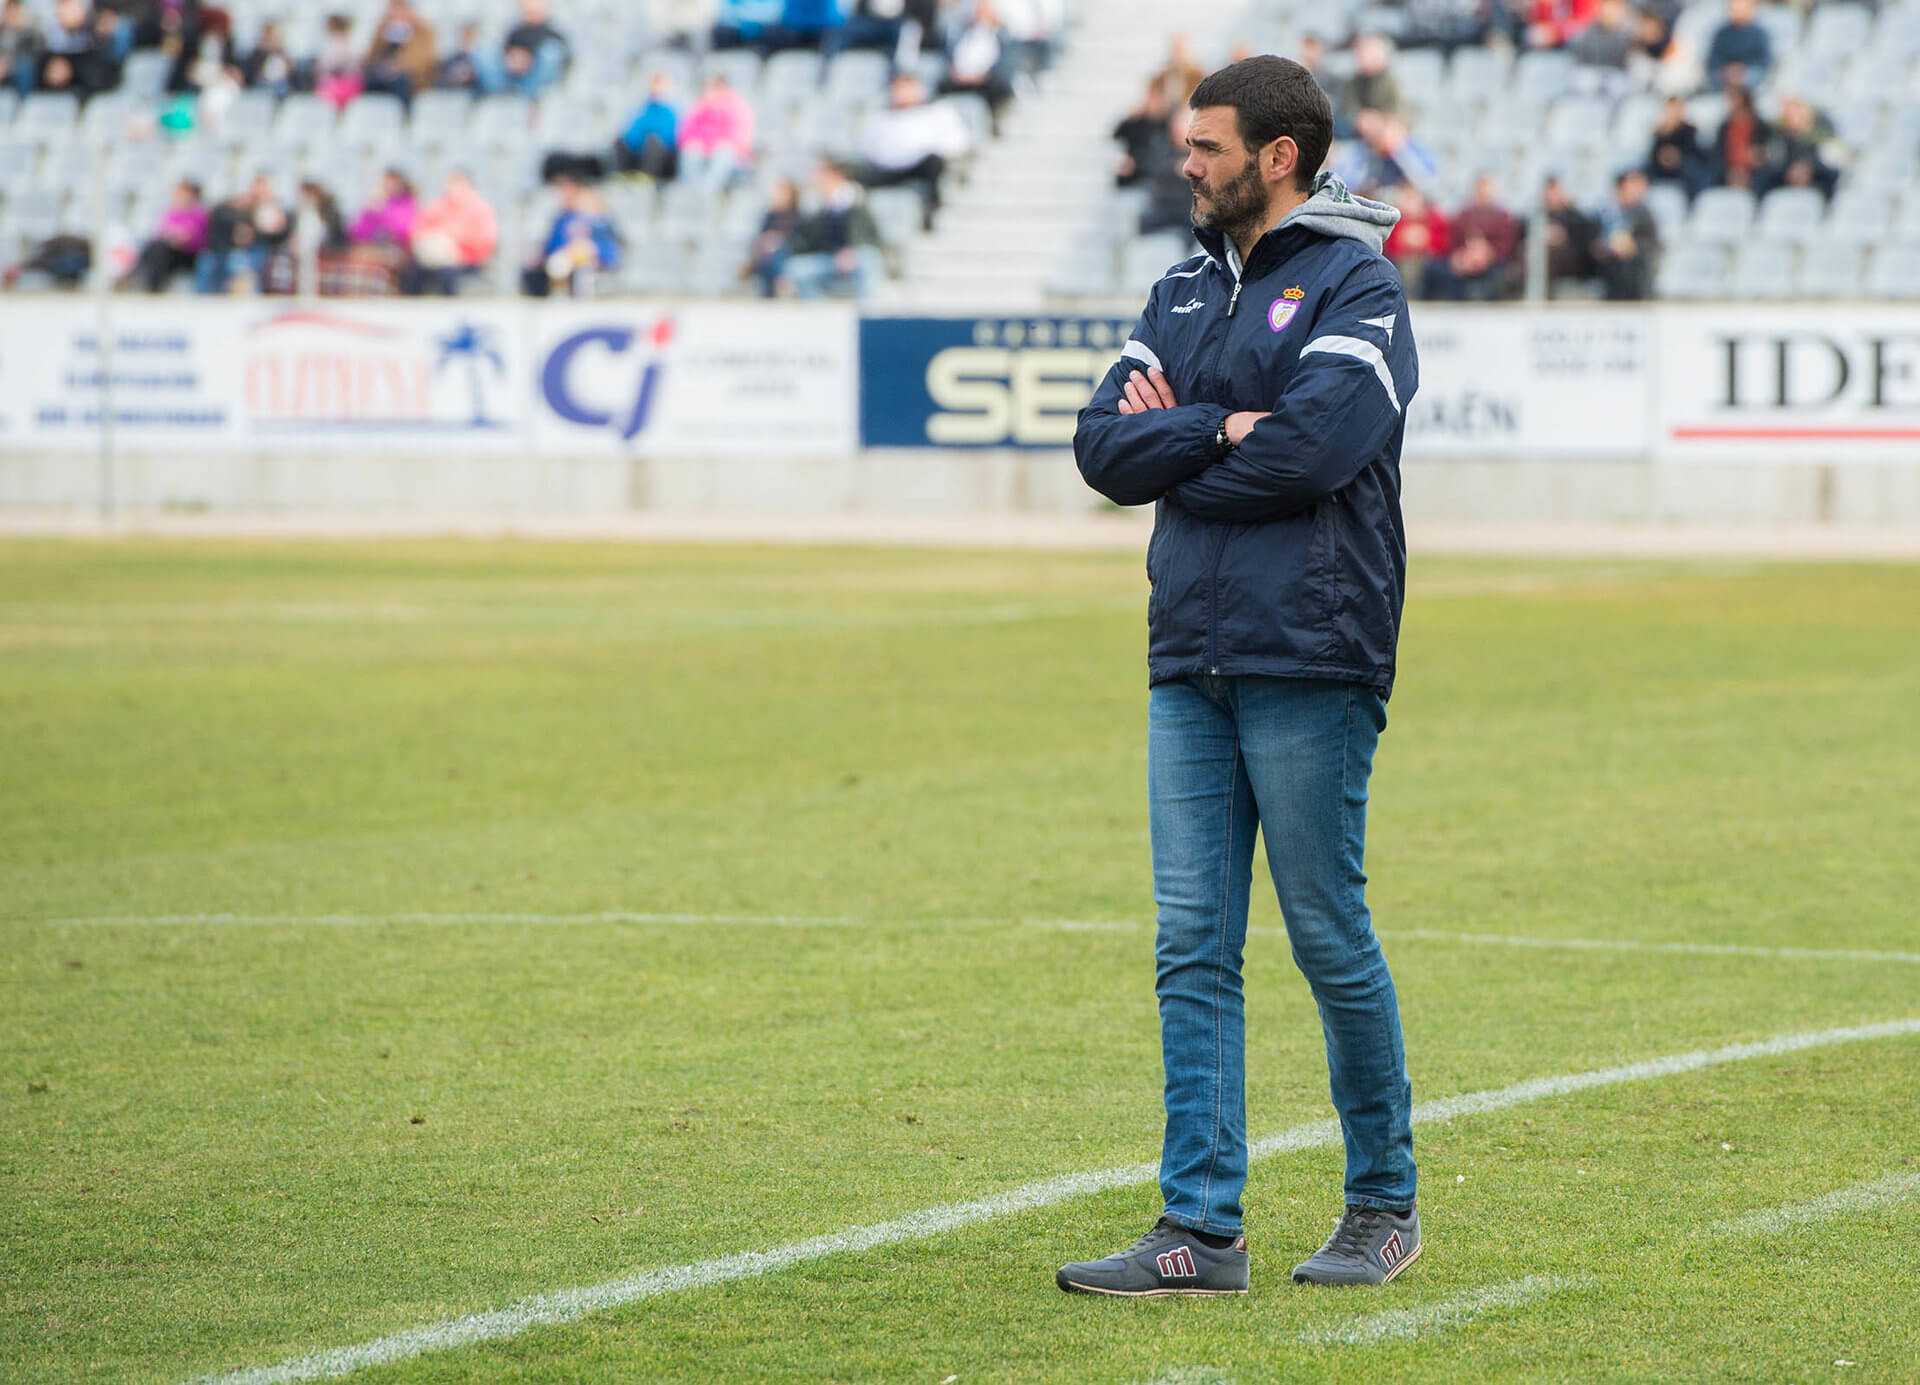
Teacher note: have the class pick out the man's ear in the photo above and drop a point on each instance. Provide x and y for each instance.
(1279, 158)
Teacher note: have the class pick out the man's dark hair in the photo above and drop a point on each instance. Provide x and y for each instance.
(1272, 97)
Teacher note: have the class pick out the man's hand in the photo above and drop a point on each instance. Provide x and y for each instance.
(1144, 392)
(1239, 425)
(1151, 391)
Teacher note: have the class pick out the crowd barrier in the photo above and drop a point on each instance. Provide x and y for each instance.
(501, 386)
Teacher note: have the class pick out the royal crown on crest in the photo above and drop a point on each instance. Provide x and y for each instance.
(1296, 293)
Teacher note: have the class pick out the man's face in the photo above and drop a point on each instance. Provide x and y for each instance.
(1633, 189)
(1740, 11)
(1228, 190)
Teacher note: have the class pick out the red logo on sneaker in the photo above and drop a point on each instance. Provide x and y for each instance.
(1176, 1263)
(1393, 1252)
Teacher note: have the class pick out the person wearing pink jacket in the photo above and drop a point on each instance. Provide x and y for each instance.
(716, 135)
(453, 236)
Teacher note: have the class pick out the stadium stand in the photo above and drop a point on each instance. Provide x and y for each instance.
(1782, 141)
(288, 110)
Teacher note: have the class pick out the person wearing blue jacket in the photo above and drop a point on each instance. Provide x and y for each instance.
(1259, 407)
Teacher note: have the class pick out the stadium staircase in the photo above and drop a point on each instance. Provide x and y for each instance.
(1030, 195)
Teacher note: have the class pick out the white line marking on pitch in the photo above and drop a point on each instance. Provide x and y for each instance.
(1795, 954)
(1856, 1197)
(568, 1305)
(1404, 1324)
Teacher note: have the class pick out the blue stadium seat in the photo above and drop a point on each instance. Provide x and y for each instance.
(439, 118)
(1838, 31)
(373, 121)
(46, 115)
(303, 120)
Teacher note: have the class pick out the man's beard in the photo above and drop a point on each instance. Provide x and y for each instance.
(1237, 205)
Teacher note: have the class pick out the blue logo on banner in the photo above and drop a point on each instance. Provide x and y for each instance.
(556, 383)
(981, 382)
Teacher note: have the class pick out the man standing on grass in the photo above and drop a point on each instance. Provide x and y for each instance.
(1260, 406)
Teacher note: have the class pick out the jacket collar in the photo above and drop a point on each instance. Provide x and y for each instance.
(1270, 251)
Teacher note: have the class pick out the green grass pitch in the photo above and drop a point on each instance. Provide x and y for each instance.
(407, 1079)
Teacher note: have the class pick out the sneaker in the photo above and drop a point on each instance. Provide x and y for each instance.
(1369, 1245)
(1167, 1260)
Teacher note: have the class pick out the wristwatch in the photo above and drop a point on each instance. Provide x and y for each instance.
(1221, 442)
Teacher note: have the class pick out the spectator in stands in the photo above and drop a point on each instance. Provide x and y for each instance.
(73, 58)
(812, 23)
(242, 234)
(336, 72)
(459, 70)
(582, 246)
(270, 67)
(881, 23)
(716, 135)
(1570, 236)
(1420, 239)
(1610, 40)
(1555, 23)
(20, 46)
(218, 84)
(1446, 24)
(1181, 72)
(1627, 249)
(749, 24)
(531, 59)
(402, 57)
(1385, 155)
(1372, 86)
(1795, 154)
(63, 257)
(1030, 33)
(1741, 52)
(176, 242)
(767, 255)
(1142, 137)
(651, 140)
(453, 238)
(1740, 147)
(1313, 56)
(1483, 263)
(1676, 156)
(1169, 193)
(380, 235)
(836, 247)
(911, 142)
(976, 64)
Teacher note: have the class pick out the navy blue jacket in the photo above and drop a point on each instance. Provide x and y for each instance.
(1285, 556)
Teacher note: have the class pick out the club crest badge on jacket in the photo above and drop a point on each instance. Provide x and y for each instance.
(1284, 307)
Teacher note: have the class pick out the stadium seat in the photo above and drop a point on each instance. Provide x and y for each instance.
(1422, 75)
(973, 110)
(1475, 74)
(1895, 272)
(1830, 269)
(1692, 270)
(789, 79)
(1720, 215)
(1764, 269)
(19, 162)
(740, 66)
(897, 212)
(500, 123)
(1578, 122)
(1838, 31)
(1540, 76)
(439, 118)
(1783, 26)
(1793, 214)
(46, 115)
(856, 76)
(1857, 219)
(145, 74)
(303, 120)
(372, 121)
(1668, 203)
(1149, 258)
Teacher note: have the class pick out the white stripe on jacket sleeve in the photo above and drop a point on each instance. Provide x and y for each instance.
(1361, 350)
(1142, 353)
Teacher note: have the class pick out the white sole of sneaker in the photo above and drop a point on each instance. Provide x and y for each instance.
(1404, 1263)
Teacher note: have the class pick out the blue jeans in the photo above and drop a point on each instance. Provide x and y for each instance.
(1226, 756)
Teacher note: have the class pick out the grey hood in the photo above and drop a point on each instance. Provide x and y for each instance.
(1333, 211)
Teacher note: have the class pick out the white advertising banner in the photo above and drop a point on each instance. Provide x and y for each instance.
(172, 383)
(441, 377)
(1507, 382)
(382, 376)
(713, 380)
(1801, 382)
